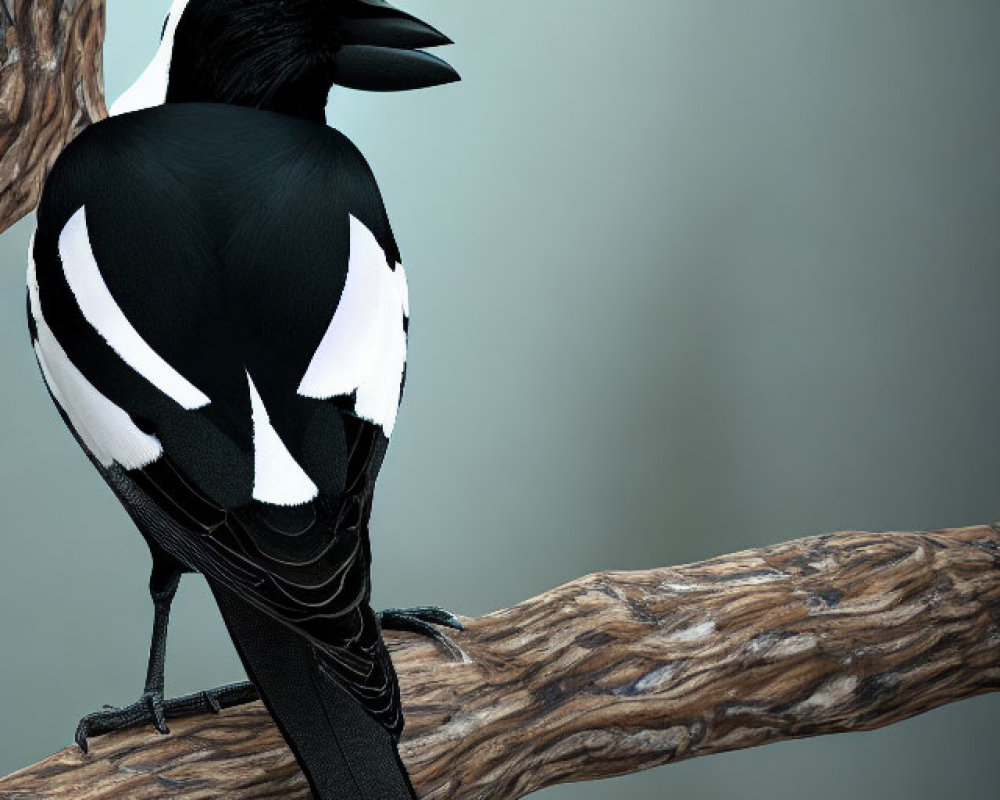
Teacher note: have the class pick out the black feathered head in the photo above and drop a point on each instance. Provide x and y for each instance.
(285, 55)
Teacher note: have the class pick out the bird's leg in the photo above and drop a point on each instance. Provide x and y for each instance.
(151, 706)
(162, 588)
(163, 582)
(424, 621)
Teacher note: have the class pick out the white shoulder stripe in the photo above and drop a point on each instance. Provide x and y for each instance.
(349, 348)
(403, 288)
(106, 430)
(378, 397)
(364, 347)
(278, 478)
(101, 311)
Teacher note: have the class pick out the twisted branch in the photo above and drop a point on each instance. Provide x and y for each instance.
(622, 671)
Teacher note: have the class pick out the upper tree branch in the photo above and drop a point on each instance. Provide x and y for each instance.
(51, 87)
(621, 671)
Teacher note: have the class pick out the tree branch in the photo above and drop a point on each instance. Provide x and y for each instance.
(621, 671)
(51, 88)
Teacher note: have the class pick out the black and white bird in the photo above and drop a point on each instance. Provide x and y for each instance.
(219, 310)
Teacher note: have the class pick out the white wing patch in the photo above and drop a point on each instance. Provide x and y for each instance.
(107, 431)
(103, 313)
(364, 348)
(151, 87)
(278, 478)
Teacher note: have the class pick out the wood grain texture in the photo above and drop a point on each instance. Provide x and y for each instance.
(51, 88)
(621, 671)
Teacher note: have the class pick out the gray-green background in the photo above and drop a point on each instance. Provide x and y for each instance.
(687, 277)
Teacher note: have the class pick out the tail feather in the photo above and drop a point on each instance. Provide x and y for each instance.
(344, 753)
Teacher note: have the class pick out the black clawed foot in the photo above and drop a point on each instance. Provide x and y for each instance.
(152, 709)
(423, 620)
(149, 709)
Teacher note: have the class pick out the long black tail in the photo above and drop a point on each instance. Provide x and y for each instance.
(345, 754)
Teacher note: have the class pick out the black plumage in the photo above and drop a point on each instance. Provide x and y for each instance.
(221, 225)
(286, 55)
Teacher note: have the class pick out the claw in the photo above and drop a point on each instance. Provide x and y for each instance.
(211, 702)
(436, 616)
(82, 731)
(432, 614)
(422, 620)
(154, 701)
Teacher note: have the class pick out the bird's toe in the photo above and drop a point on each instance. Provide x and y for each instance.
(154, 704)
(423, 620)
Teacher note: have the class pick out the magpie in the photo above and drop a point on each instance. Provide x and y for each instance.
(220, 313)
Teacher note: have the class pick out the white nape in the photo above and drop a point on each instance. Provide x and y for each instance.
(364, 347)
(151, 87)
(278, 478)
(107, 431)
(100, 309)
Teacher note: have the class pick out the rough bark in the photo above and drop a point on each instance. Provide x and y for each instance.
(621, 671)
(51, 88)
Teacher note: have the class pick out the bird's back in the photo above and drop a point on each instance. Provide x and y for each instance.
(224, 235)
(218, 308)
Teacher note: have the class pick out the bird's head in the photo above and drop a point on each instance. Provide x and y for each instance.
(285, 55)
